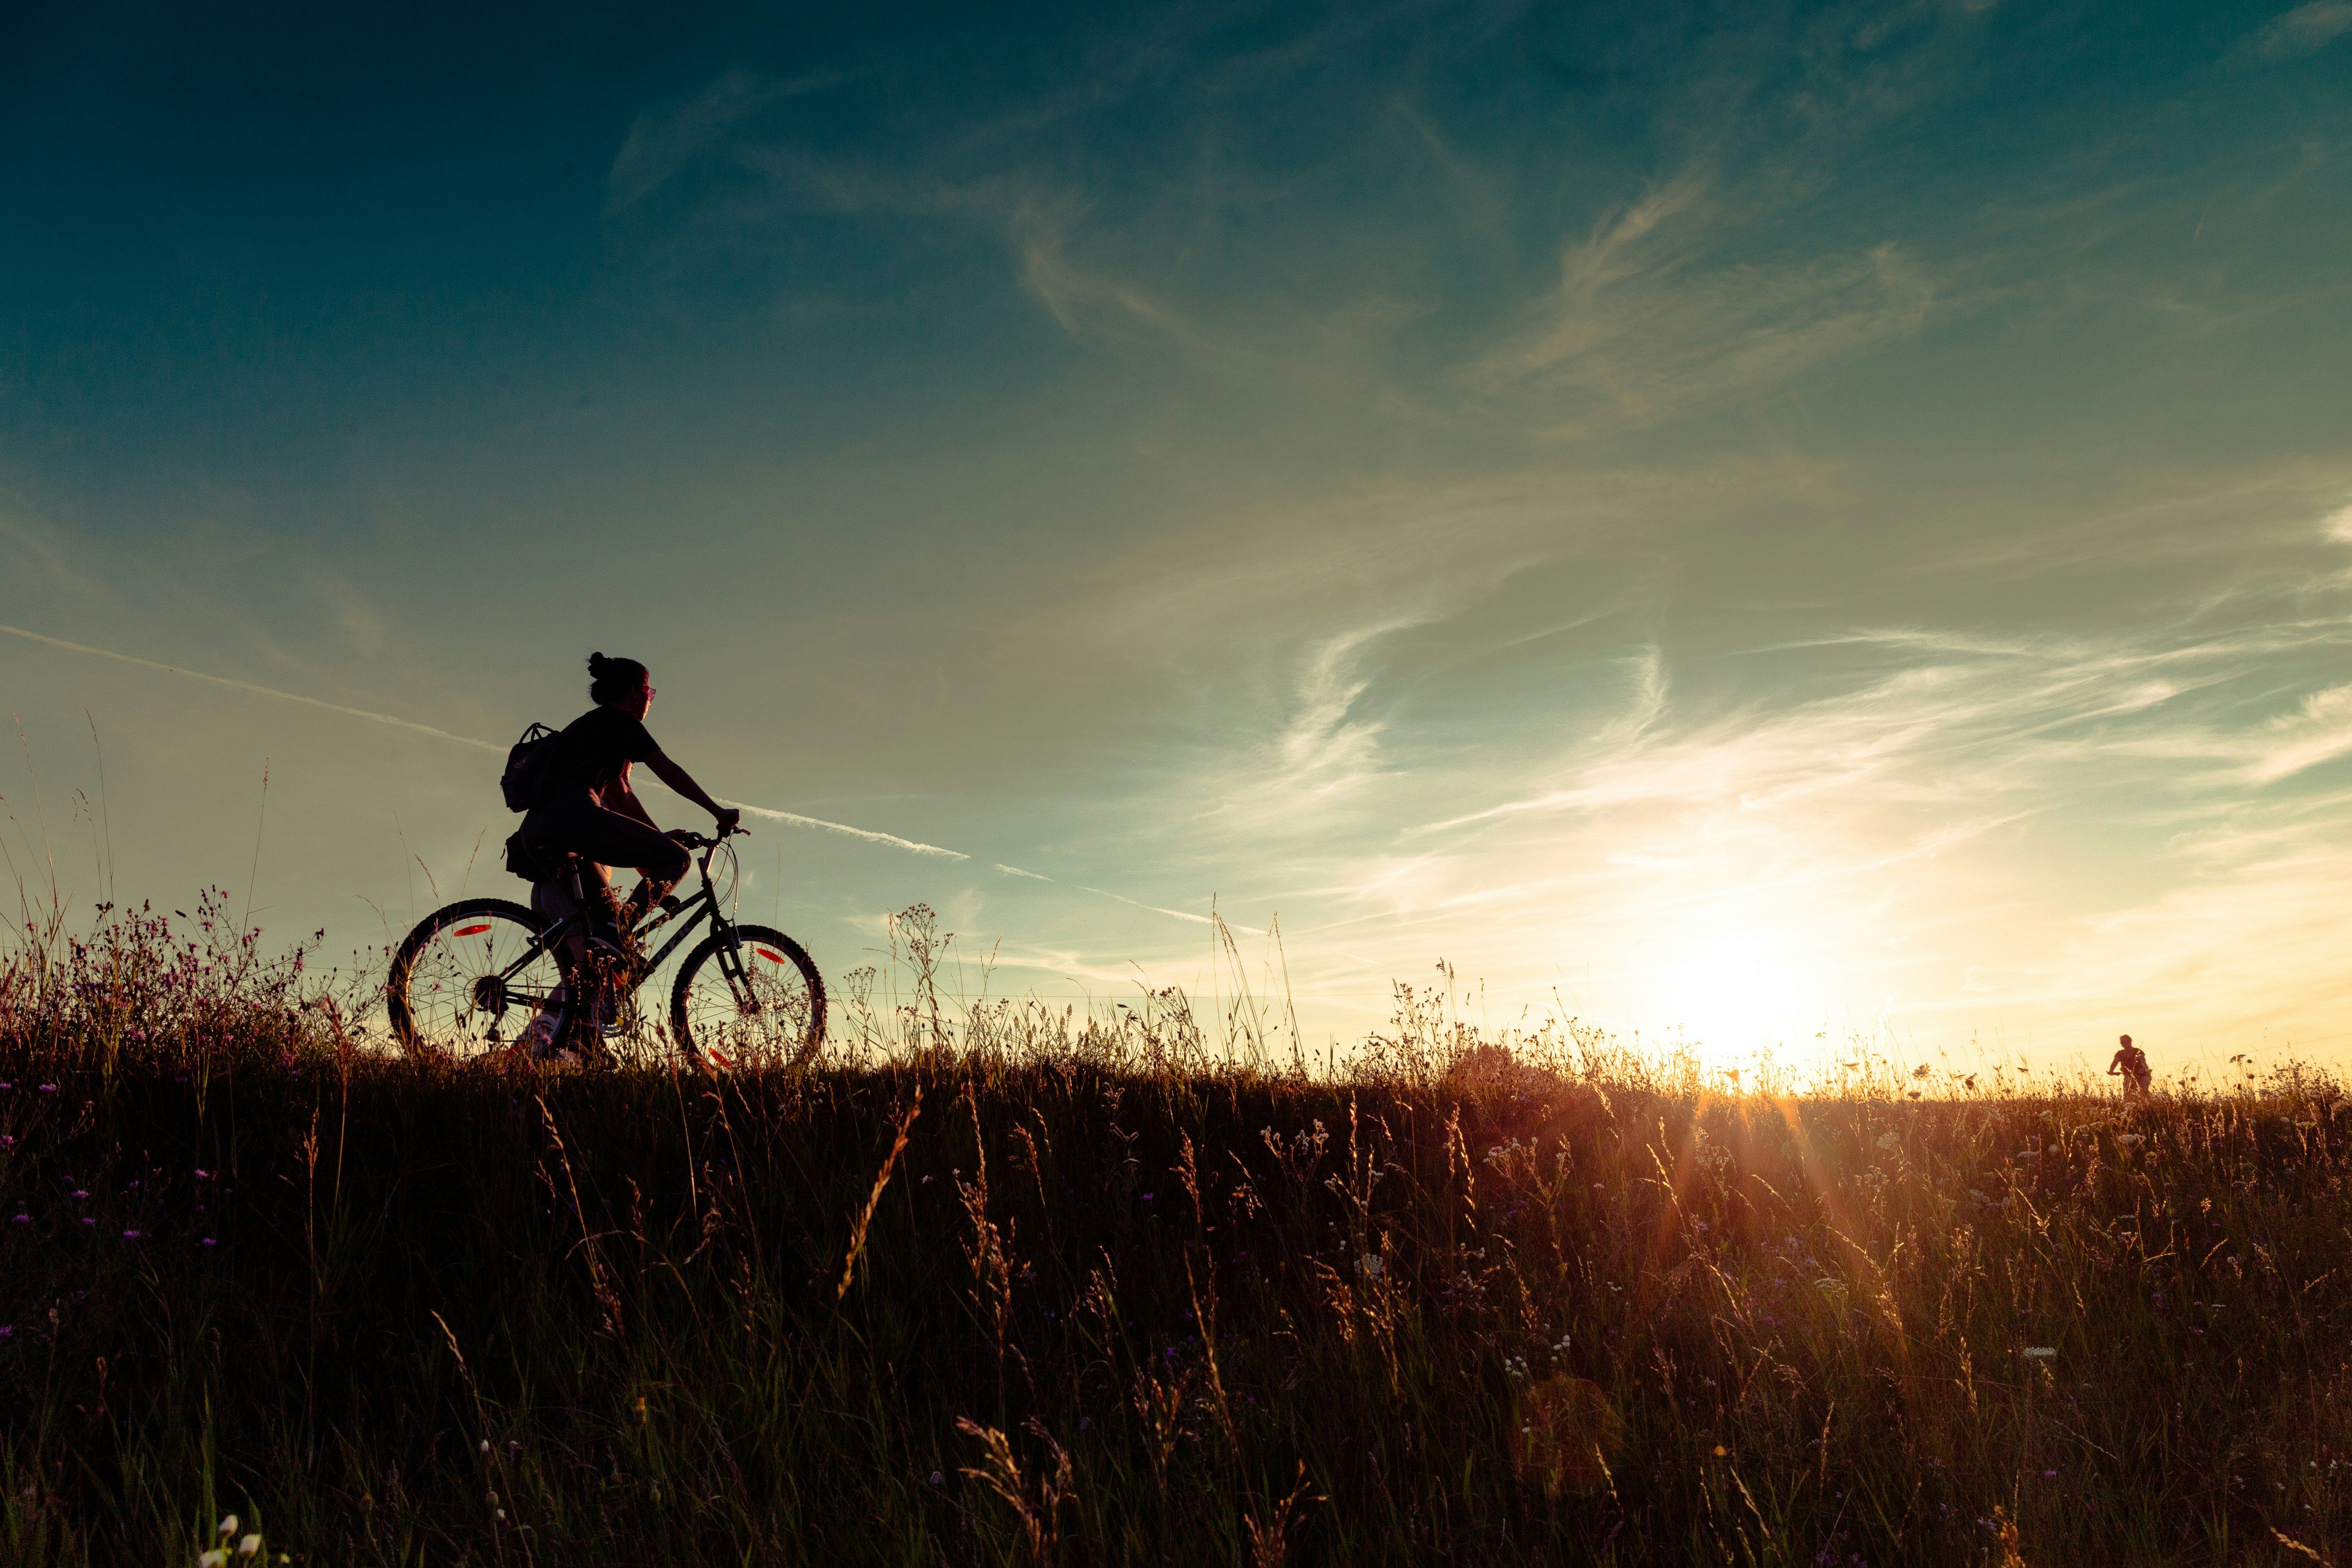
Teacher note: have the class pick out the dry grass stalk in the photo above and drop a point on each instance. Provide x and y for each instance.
(881, 1180)
(1039, 1515)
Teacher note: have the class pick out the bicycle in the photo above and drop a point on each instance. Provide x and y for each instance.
(746, 994)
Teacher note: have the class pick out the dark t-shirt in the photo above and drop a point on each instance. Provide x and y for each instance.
(594, 746)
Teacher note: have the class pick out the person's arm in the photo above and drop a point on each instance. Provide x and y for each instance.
(678, 779)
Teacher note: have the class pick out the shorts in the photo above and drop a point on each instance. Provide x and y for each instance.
(569, 821)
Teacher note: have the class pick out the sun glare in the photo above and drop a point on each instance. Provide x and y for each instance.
(1734, 996)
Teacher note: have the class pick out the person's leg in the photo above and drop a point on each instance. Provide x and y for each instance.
(570, 823)
(612, 840)
(644, 896)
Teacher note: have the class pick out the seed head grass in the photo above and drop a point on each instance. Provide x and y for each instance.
(1005, 1283)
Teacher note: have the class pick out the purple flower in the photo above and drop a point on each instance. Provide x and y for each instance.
(130, 1236)
(204, 1176)
(7, 1141)
(208, 1241)
(1146, 1197)
(87, 1220)
(24, 1219)
(48, 1088)
(3, 1086)
(8, 1331)
(82, 1192)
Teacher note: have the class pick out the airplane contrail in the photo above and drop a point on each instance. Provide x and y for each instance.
(816, 823)
(869, 834)
(794, 817)
(249, 686)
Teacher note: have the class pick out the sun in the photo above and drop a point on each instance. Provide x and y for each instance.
(1733, 994)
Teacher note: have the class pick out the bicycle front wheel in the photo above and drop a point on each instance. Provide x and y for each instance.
(460, 987)
(759, 1003)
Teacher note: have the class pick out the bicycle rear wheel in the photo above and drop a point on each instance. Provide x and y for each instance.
(449, 993)
(770, 1012)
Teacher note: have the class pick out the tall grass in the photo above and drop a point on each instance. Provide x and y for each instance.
(1002, 1283)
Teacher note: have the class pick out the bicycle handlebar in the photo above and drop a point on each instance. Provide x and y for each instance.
(701, 841)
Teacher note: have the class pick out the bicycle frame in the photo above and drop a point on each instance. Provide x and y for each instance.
(700, 906)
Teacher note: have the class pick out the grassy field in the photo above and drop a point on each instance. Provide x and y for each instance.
(1003, 1285)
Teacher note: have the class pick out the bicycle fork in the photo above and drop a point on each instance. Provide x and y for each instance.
(739, 977)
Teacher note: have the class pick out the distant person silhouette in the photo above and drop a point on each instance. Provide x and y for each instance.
(590, 810)
(2131, 1065)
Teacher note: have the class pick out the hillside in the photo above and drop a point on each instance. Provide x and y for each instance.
(1107, 1305)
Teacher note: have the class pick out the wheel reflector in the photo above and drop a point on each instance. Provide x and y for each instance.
(471, 930)
(770, 957)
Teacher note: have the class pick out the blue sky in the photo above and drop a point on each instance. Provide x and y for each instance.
(1753, 519)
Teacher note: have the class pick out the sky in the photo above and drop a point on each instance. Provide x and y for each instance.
(1774, 526)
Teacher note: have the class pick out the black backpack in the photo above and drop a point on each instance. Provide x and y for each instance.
(524, 783)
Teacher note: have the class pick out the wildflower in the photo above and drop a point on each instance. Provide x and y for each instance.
(24, 1219)
(207, 1241)
(130, 1236)
(216, 1558)
(88, 1220)
(8, 1331)
(48, 1088)
(935, 1479)
(248, 1546)
(82, 1192)
(228, 1525)
(486, 1448)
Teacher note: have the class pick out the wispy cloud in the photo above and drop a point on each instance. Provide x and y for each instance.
(2306, 29)
(661, 146)
(2319, 731)
(1651, 321)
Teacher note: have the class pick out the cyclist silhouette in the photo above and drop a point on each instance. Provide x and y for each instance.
(2130, 1064)
(589, 809)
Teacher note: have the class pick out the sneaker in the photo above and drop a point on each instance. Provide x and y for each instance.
(537, 1037)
